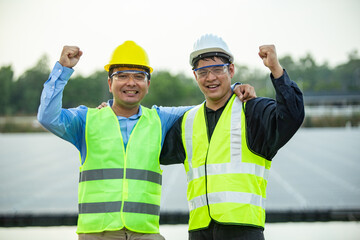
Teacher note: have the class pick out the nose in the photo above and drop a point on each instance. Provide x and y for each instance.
(211, 75)
(130, 81)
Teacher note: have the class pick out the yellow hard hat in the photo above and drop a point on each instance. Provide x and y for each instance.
(129, 53)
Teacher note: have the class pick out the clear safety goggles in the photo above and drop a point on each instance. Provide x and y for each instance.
(125, 75)
(217, 70)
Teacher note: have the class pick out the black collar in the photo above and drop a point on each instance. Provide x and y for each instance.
(209, 110)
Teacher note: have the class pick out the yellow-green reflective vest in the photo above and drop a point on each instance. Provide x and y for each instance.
(226, 181)
(116, 188)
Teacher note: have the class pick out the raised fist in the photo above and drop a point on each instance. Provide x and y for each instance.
(268, 54)
(70, 56)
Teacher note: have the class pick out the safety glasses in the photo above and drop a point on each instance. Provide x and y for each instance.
(217, 70)
(125, 75)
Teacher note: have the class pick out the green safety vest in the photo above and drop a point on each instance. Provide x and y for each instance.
(119, 188)
(226, 180)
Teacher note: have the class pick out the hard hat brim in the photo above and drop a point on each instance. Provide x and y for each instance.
(108, 66)
(194, 56)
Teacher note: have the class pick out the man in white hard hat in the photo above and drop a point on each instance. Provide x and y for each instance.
(227, 146)
(120, 175)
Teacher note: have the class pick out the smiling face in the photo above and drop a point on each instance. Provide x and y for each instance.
(215, 87)
(127, 93)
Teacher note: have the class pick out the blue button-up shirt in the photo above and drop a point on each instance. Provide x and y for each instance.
(69, 124)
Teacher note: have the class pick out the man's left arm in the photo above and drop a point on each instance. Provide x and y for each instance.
(271, 123)
(288, 93)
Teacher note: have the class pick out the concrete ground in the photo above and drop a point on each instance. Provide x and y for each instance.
(274, 231)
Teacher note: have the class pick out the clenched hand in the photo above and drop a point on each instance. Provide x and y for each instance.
(268, 54)
(70, 56)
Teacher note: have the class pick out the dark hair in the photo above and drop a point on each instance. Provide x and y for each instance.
(223, 59)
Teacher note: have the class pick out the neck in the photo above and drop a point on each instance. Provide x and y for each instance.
(215, 104)
(124, 111)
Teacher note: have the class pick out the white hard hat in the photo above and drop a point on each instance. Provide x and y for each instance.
(210, 45)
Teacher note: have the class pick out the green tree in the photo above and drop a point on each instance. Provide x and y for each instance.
(347, 75)
(89, 91)
(169, 90)
(22, 96)
(310, 76)
(6, 82)
(28, 87)
(256, 78)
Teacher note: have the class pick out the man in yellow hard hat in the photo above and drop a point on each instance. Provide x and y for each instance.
(120, 175)
(227, 146)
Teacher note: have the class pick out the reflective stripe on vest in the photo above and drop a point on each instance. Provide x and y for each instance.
(131, 207)
(237, 166)
(119, 188)
(218, 197)
(118, 173)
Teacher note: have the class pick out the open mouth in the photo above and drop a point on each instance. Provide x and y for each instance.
(213, 86)
(131, 92)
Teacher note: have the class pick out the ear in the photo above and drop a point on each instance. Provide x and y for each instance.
(195, 76)
(232, 70)
(110, 84)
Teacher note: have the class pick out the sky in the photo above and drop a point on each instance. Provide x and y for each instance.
(167, 30)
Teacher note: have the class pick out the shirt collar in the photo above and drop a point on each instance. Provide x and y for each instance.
(135, 116)
(210, 110)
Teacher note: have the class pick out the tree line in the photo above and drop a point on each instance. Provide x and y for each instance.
(21, 96)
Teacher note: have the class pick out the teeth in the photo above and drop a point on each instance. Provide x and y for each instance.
(212, 86)
(131, 92)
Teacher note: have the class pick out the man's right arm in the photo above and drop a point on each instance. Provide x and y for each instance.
(173, 151)
(65, 123)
